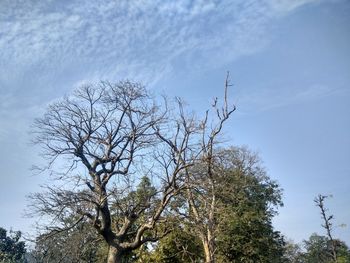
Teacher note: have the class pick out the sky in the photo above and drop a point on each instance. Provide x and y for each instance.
(289, 62)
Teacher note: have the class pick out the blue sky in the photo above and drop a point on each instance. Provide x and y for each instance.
(289, 63)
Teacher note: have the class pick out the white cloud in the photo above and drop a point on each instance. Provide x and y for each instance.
(284, 6)
(268, 98)
(45, 42)
(15, 118)
(138, 39)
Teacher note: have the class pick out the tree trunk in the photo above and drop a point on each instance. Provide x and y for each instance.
(114, 256)
(208, 252)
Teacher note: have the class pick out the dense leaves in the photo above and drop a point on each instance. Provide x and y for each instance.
(180, 246)
(11, 248)
(319, 250)
(245, 203)
(248, 202)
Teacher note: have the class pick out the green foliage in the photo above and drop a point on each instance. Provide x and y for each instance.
(180, 246)
(249, 239)
(138, 205)
(145, 191)
(248, 203)
(318, 250)
(11, 249)
(292, 253)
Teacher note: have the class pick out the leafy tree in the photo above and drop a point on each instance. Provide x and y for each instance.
(319, 200)
(327, 247)
(292, 253)
(317, 249)
(320, 249)
(11, 248)
(245, 203)
(180, 246)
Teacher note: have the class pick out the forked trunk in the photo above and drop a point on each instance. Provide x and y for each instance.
(114, 256)
(208, 252)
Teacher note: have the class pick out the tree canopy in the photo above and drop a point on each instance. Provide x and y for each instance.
(11, 248)
(246, 200)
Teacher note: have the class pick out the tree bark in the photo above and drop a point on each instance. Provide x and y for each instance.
(114, 256)
(209, 254)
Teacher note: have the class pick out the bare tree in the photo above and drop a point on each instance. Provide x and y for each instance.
(202, 189)
(328, 225)
(108, 137)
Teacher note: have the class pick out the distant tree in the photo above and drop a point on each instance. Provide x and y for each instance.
(292, 253)
(246, 203)
(327, 225)
(337, 249)
(11, 248)
(319, 249)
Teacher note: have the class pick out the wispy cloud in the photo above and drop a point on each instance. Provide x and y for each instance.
(138, 38)
(16, 118)
(47, 43)
(269, 98)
